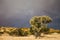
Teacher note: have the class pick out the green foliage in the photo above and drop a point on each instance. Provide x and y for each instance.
(18, 32)
(32, 30)
(46, 19)
(39, 24)
(40, 19)
(45, 30)
(22, 32)
(13, 32)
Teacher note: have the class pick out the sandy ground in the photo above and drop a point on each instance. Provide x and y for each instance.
(46, 37)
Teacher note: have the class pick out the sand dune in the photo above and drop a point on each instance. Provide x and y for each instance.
(46, 37)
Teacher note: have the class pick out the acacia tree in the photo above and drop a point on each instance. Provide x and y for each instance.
(39, 22)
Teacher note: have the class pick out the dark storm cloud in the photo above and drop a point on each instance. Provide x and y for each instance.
(18, 12)
(54, 12)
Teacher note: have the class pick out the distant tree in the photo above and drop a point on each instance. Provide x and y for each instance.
(38, 23)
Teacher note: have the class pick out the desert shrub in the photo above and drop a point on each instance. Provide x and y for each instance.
(32, 30)
(13, 32)
(57, 31)
(23, 32)
(52, 31)
(45, 30)
(1, 33)
(19, 32)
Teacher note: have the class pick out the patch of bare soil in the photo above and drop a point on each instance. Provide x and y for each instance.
(53, 36)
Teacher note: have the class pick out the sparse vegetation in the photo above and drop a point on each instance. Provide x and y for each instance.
(53, 31)
(38, 26)
(13, 32)
(24, 31)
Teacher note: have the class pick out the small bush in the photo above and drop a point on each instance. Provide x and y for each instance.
(13, 32)
(45, 30)
(1, 33)
(32, 31)
(57, 31)
(23, 32)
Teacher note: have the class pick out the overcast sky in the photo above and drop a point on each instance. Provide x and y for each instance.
(18, 12)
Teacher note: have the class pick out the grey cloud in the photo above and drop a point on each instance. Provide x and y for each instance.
(19, 12)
